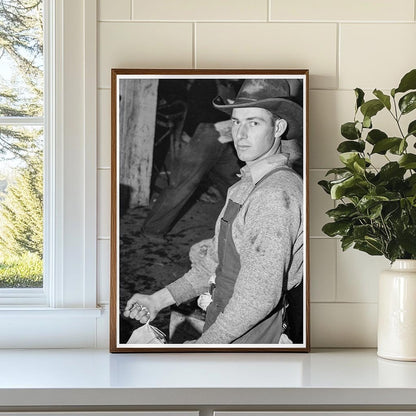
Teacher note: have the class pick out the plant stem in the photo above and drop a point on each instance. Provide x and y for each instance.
(397, 118)
(387, 231)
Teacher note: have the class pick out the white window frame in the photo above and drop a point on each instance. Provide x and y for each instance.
(64, 313)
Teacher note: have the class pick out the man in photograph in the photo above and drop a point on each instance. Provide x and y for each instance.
(256, 253)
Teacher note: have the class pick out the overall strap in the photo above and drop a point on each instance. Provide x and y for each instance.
(280, 168)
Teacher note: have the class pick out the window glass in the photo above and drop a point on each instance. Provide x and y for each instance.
(21, 143)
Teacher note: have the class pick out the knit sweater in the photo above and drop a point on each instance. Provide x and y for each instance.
(268, 235)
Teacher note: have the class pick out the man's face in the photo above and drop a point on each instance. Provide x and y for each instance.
(253, 132)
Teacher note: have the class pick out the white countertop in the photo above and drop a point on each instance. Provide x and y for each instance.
(96, 377)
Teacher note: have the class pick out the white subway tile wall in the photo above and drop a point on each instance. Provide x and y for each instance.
(357, 275)
(337, 325)
(323, 269)
(104, 128)
(342, 10)
(103, 271)
(201, 10)
(344, 44)
(270, 46)
(319, 203)
(114, 10)
(142, 45)
(104, 203)
(375, 55)
(328, 110)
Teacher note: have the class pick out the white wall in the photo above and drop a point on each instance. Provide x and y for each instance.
(345, 44)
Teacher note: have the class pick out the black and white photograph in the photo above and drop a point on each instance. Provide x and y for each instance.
(209, 214)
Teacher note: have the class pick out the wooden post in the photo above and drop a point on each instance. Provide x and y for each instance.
(137, 120)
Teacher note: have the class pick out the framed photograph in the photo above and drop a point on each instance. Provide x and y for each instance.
(209, 211)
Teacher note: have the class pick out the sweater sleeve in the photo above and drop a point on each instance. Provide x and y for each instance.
(272, 220)
(195, 281)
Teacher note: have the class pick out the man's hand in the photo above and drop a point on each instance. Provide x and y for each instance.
(145, 308)
(141, 307)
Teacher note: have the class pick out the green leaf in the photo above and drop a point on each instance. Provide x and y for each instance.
(375, 212)
(371, 108)
(359, 165)
(391, 212)
(412, 179)
(408, 103)
(350, 146)
(398, 149)
(346, 242)
(408, 82)
(338, 188)
(369, 201)
(338, 171)
(359, 95)
(413, 211)
(411, 130)
(349, 131)
(348, 158)
(336, 228)
(368, 248)
(407, 240)
(361, 231)
(411, 182)
(402, 147)
(393, 250)
(348, 187)
(342, 211)
(374, 136)
(391, 170)
(385, 99)
(408, 161)
(367, 122)
(383, 145)
(325, 186)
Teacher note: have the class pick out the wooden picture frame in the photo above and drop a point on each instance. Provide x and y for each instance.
(170, 144)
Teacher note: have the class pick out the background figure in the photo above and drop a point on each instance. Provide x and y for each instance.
(199, 155)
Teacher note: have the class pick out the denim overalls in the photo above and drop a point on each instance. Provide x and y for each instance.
(269, 329)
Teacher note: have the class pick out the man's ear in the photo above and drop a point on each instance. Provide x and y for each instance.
(280, 127)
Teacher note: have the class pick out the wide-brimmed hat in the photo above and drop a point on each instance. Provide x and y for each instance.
(279, 96)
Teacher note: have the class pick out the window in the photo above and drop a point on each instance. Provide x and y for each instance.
(22, 128)
(63, 313)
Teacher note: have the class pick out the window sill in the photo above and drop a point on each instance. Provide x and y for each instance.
(40, 327)
(324, 379)
(35, 311)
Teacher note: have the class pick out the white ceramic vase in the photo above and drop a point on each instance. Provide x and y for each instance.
(397, 312)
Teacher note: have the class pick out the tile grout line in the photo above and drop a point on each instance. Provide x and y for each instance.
(322, 237)
(131, 10)
(254, 21)
(338, 66)
(194, 62)
(355, 302)
(269, 10)
(336, 271)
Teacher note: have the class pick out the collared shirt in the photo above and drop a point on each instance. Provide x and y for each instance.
(261, 168)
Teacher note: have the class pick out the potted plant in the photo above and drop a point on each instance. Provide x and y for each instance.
(376, 206)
